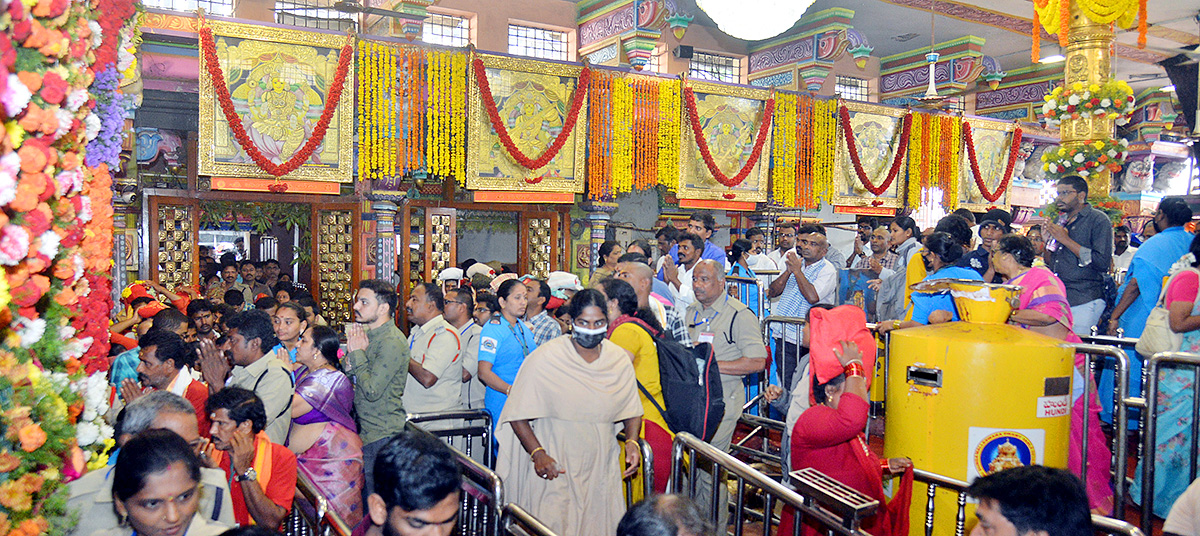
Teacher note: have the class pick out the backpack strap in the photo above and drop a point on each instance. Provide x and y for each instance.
(661, 412)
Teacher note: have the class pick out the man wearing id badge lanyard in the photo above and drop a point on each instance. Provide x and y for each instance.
(435, 363)
(733, 331)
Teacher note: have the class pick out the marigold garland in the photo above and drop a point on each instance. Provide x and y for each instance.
(622, 135)
(669, 132)
(599, 135)
(445, 75)
(1055, 16)
(1014, 147)
(825, 113)
(217, 76)
(950, 161)
(646, 119)
(784, 157)
(916, 156)
(899, 152)
(489, 104)
(706, 152)
(806, 129)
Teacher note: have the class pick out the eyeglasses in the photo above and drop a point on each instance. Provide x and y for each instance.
(1062, 193)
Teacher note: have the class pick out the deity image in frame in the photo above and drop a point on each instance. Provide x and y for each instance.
(730, 117)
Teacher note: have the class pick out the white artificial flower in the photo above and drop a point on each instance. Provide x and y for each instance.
(30, 331)
(87, 433)
(92, 122)
(1084, 173)
(76, 98)
(17, 96)
(106, 432)
(1078, 158)
(1105, 103)
(1074, 100)
(48, 244)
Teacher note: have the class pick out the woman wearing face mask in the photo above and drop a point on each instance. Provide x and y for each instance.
(156, 488)
(557, 453)
(504, 343)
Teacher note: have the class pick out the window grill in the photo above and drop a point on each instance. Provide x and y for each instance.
(537, 42)
(213, 7)
(851, 88)
(447, 30)
(715, 67)
(306, 15)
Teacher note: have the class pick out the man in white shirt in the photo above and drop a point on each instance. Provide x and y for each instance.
(808, 279)
(1122, 252)
(679, 277)
(435, 367)
(786, 239)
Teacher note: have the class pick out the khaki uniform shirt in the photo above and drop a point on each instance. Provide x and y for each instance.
(473, 391)
(379, 374)
(735, 333)
(271, 380)
(435, 346)
(91, 496)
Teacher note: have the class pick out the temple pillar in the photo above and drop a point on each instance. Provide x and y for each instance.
(385, 241)
(598, 215)
(1088, 62)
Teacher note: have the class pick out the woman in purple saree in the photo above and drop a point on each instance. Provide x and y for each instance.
(323, 434)
(1044, 309)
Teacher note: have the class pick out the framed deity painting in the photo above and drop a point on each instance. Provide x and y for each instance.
(533, 100)
(992, 141)
(876, 131)
(279, 82)
(729, 119)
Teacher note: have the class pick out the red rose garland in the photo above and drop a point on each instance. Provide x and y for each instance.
(489, 104)
(974, 159)
(209, 47)
(706, 152)
(852, 146)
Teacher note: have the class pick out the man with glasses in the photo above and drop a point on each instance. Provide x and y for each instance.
(459, 312)
(786, 239)
(701, 224)
(808, 278)
(1080, 251)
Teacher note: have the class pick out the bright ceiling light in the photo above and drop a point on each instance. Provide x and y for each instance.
(754, 20)
(1168, 89)
(1053, 59)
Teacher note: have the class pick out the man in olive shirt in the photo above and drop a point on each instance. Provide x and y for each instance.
(378, 365)
(254, 368)
(733, 330)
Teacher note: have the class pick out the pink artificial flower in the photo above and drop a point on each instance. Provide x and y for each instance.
(14, 244)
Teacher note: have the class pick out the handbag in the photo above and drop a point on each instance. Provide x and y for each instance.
(1158, 336)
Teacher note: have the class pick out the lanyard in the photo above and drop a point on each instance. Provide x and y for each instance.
(707, 321)
(519, 337)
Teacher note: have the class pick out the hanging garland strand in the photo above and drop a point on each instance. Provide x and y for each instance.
(208, 43)
(805, 131)
(897, 158)
(969, 138)
(763, 127)
(825, 121)
(489, 104)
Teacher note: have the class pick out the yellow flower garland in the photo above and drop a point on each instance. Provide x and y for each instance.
(1123, 12)
(670, 111)
(783, 171)
(954, 146)
(622, 126)
(458, 125)
(825, 132)
(916, 154)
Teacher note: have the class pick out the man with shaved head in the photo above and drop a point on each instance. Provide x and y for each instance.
(733, 330)
(641, 277)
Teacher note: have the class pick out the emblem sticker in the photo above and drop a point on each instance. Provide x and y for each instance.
(995, 449)
(488, 344)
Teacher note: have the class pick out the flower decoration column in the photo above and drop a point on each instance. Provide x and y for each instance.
(1086, 27)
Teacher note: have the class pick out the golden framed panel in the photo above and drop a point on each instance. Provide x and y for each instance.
(993, 141)
(875, 129)
(730, 117)
(278, 79)
(537, 96)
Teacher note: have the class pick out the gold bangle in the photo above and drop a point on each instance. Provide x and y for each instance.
(895, 324)
(535, 451)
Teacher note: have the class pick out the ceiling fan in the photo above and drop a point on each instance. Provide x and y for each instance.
(352, 7)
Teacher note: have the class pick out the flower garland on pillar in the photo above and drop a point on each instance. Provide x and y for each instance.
(805, 129)
(918, 177)
(951, 161)
(898, 153)
(1014, 148)
(669, 117)
(783, 154)
(208, 47)
(489, 105)
(706, 153)
(1055, 17)
(825, 129)
(443, 119)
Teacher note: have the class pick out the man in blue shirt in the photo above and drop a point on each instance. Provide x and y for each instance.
(1143, 284)
(701, 224)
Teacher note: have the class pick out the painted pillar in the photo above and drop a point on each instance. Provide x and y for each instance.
(1088, 62)
(385, 241)
(599, 214)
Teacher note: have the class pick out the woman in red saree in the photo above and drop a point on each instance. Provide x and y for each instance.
(1044, 309)
(828, 436)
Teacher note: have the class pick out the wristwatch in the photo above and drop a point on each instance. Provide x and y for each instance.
(250, 475)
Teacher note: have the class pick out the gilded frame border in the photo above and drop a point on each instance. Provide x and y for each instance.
(843, 169)
(967, 183)
(478, 124)
(689, 152)
(343, 118)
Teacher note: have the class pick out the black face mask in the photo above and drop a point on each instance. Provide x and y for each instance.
(588, 338)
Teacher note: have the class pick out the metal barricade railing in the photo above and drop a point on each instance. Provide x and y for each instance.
(311, 514)
(482, 494)
(824, 498)
(472, 424)
(748, 286)
(518, 522)
(1150, 424)
(1096, 353)
(781, 328)
(934, 481)
(646, 470)
(760, 431)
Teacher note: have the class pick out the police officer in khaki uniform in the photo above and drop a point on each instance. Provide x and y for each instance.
(734, 332)
(92, 496)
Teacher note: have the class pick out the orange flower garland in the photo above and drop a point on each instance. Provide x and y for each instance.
(669, 117)
(599, 132)
(806, 132)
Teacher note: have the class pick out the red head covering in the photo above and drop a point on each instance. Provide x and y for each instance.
(829, 328)
(150, 309)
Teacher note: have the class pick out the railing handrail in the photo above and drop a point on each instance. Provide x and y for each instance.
(735, 466)
(1115, 526)
(647, 467)
(944, 481)
(475, 474)
(324, 514)
(1150, 425)
(530, 525)
(463, 414)
(1120, 417)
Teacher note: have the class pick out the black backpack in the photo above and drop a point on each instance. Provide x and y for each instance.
(691, 386)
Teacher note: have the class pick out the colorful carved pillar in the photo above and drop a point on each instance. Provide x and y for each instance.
(1088, 62)
(599, 214)
(410, 23)
(385, 241)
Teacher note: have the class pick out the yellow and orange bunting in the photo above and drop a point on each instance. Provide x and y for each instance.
(599, 116)
(916, 158)
(805, 130)
(445, 117)
(825, 131)
(953, 163)
(622, 133)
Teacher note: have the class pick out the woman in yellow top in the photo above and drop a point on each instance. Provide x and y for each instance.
(631, 330)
